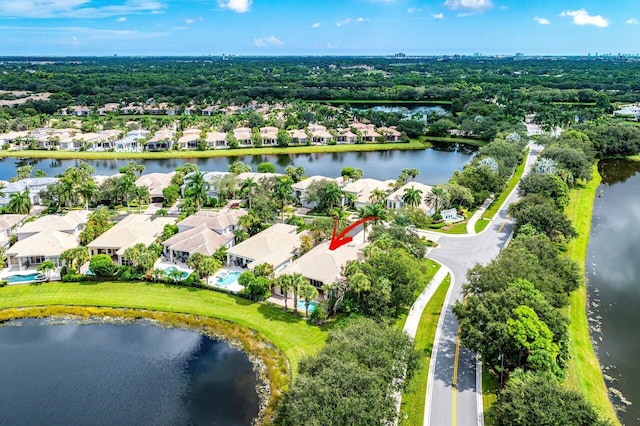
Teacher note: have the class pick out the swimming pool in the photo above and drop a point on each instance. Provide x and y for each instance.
(169, 272)
(27, 278)
(301, 307)
(228, 279)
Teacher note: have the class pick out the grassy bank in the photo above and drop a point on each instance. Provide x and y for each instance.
(294, 336)
(635, 157)
(497, 203)
(413, 398)
(240, 152)
(381, 102)
(466, 141)
(584, 373)
(273, 368)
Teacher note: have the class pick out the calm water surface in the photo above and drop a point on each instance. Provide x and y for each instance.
(613, 271)
(436, 165)
(121, 374)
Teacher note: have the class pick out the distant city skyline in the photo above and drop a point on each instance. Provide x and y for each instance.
(317, 27)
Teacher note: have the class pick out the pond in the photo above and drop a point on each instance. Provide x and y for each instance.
(126, 374)
(436, 165)
(613, 273)
(407, 111)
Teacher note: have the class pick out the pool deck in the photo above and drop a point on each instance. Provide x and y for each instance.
(231, 287)
(7, 272)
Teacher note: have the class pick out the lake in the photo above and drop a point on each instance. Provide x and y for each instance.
(613, 273)
(121, 374)
(407, 111)
(436, 165)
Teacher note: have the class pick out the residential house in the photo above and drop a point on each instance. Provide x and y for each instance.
(190, 110)
(46, 245)
(243, 135)
(224, 222)
(632, 110)
(320, 135)
(275, 245)
(133, 229)
(346, 136)
(298, 137)
(132, 142)
(14, 139)
(201, 239)
(391, 134)
(322, 266)
(367, 132)
(209, 110)
(80, 111)
(211, 178)
(132, 109)
(71, 223)
(156, 183)
(161, 140)
(8, 225)
(361, 190)
(300, 190)
(395, 202)
(269, 135)
(33, 185)
(108, 109)
(216, 140)
(190, 139)
(256, 176)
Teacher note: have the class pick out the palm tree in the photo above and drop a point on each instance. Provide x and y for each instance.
(412, 197)
(308, 293)
(19, 203)
(68, 190)
(437, 196)
(377, 196)
(248, 187)
(297, 282)
(283, 193)
(412, 173)
(333, 195)
(88, 189)
(126, 186)
(46, 267)
(197, 189)
(141, 195)
(359, 283)
(285, 282)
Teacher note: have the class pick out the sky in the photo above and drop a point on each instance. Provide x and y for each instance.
(318, 27)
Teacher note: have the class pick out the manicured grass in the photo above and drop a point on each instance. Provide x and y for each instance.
(240, 152)
(497, 203)
(584, 373)
(413, 398)
(481, 224)
(431, 267)
(382, 102)
(293, 335)
(467, 141)
(457, 229)
(490, 385)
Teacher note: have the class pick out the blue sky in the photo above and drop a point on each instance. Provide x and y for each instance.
(317, 27)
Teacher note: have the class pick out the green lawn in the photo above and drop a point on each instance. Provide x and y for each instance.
(481, 224)
(584, 373)
(382, 102)
(497, 203)
(467, 141)
(293, 335)
(240, 152)
(490, 385)
(413, 398)
(457, 229)
(431, 268)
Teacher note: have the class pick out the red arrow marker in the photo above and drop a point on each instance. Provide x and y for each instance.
(342, 238)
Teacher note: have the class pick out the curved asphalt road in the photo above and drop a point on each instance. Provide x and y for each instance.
(448, 405)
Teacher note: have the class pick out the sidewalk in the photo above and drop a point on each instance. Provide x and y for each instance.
(471, 224)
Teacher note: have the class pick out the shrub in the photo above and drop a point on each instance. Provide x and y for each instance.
(3, 283)
(102, 265)
(320, 313)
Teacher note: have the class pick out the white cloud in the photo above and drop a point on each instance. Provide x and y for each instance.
(542, 21)
(632, 21)
(350, 21)
(268, 41)
(414, 10)
(437, 15)
(315, 25)
(121, 19)
(74, 8)
(475, 5)
(192, 20)
(240, 6)
(582, 17)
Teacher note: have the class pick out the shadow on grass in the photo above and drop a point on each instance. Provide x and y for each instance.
(276, 313)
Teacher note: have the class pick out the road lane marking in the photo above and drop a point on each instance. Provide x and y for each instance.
(454, 387)
(504, 223)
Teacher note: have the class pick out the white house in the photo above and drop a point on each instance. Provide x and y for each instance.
(156, 183)
(46, 245)
(362, 189)
(33, 185)
(298, 137)
(71, 223)
(132, 142)
(320, 135)
(243, 135)
(8, 225)
(200, 239)
(216, 140)
(161, 140)
(395, 202)
(189, 139)
(275, 245)
(300, 190)
(224, 222)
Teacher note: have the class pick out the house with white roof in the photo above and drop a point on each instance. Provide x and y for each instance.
(46, 245)
(269, 135)
(276, 245)
(322, 266)
(224, 222)
(346, 136)
(14, 138)
(33, 185)
(367, 132)
(212, 178)
(156, 183)
(132, 142)
(108, 109)
(216, 140)
(395, 202)
(243, 135)
(320, 135)
(391, 134)
(300, 189)
(71, 223)
(362, 189)
(298, 137)
(209, 110)
(161, 140)
(189, 139)
(8, 225)
(632, 110)
(133, 229)
(200, 239)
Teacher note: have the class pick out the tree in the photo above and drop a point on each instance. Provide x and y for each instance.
(412, 197)
(572, 159)
(98, 222)
(140, 256)
(297, 281)
(412, 173)
(197, 189)
(19, 203)
(141, 195)
(284, 138)
(441, 128)
(248, 187)
(378, 196)
(283, 193)
(102, 266)
(170, 195)
(266, 167)
(285, 282)
(543, 215)
(207, 266)
(547, 185)
(309, 293)
(46, 267)
(538, 399)
(126, 186)
(350, 173)
(88, 189)
(238, 167)
(438, 196)
(295, 173)
(132, 169)
(264, 270)
(23, 172)
(75, 257)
